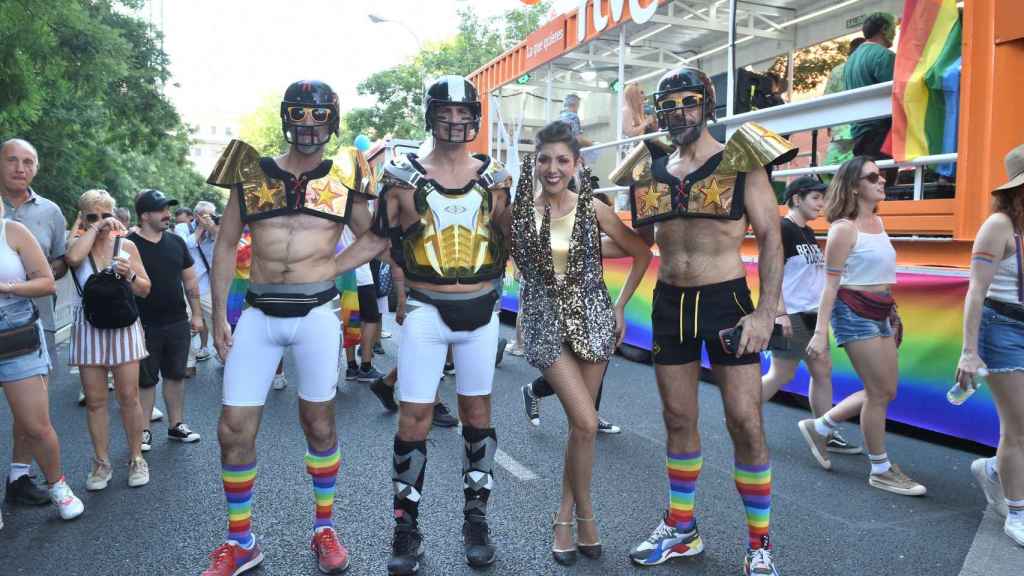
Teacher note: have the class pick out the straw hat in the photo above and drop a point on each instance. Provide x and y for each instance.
(1014, 169)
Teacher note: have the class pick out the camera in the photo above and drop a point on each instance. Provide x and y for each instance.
(215, 218)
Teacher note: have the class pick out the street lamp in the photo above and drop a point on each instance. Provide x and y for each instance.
(382, 20)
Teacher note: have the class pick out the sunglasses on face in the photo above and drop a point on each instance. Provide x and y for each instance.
(299, 113)
(93, 217)
(679, 102)
(873, 178)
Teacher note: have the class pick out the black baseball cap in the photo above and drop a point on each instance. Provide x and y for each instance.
(152, 200)
(804, 185)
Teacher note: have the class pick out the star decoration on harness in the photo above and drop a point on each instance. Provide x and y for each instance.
(648, 200)
(265, 196)
(712, 194)
(328, 193)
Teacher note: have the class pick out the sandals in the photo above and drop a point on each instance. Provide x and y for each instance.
(592, 551)
(563, 557)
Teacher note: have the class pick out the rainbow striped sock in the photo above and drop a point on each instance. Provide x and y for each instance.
(238, 483)
(683, 470)
(754, 483)
(323, 467)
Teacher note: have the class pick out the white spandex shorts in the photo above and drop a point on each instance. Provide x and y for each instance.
(259, 344)
(424, 345)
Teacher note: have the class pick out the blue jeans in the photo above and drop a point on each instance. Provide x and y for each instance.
(27, 365)
(1001, 342)
(847, 326)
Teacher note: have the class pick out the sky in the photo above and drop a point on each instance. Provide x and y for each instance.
(228, 55)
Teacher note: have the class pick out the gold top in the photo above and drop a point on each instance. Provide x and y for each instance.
(717, 195)
(264, 196)
(561, 238)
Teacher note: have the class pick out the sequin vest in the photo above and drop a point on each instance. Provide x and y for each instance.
(575, 309)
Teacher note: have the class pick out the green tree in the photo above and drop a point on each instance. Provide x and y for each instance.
(83, 81)
(812, 64)
(399, 90)
(262, 127)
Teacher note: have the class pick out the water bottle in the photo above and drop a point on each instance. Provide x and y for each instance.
(958, 395)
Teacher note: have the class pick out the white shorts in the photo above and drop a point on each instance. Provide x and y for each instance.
(424, 345)
(260, 342)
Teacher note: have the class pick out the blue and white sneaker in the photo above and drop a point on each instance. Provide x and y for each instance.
(759, 562)
(666, 543)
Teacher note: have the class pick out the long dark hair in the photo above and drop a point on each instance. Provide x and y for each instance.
(1011, 203)
(555, 132)
(840, 200)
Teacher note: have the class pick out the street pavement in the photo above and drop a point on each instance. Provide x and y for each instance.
(822, 522)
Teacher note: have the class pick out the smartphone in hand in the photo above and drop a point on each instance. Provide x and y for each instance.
(730, 339)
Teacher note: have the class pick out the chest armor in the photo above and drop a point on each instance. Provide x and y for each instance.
(265, 190)
(454, 241)
(714, 190)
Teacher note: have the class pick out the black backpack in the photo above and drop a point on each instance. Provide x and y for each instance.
(107, 299)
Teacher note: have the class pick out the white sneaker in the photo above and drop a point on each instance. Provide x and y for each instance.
(147, 440)
(81, 397)
(1014, 528)
(69, 505)
(100, 475)
(157, 415)
(203, 354)
(992, 488)
(384, 334)
(759, 562)
(280, 382)
(138, 473)
(110, 381)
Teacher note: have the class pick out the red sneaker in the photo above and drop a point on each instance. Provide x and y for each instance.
(230, 559)
(330, 554)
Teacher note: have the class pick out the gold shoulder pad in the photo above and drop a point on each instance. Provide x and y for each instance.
(637, 162)
(753, 146)
(351, 169)
(239, 163)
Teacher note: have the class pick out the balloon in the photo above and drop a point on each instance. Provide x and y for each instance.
(362, 143)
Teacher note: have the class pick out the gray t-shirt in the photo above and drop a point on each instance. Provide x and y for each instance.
(46, 222)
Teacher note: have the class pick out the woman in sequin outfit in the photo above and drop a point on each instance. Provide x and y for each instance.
(570, 325)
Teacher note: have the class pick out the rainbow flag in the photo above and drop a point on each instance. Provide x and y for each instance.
(930, 37)
(240, 283)
(348, 288)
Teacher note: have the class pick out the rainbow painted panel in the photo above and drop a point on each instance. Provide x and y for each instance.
(931, 305)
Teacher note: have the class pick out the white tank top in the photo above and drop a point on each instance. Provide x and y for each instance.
(872, 261)
(1005, 285)
(11, 267)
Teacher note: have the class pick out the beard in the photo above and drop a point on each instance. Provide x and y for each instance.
(686, 136)
(309, 149)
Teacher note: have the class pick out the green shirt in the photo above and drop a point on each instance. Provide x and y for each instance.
(869, 64)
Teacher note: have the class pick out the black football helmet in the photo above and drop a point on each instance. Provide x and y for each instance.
(668, 100)
(448, 91)
(309, 99)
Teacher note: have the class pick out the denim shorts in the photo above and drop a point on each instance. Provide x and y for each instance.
(32, 364)
(1001, 342)
(847, 326)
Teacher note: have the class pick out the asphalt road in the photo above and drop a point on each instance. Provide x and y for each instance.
(822, 522)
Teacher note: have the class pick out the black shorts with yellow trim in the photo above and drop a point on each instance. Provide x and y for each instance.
(684, 318)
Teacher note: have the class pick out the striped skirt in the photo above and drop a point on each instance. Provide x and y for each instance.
(91, 346)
